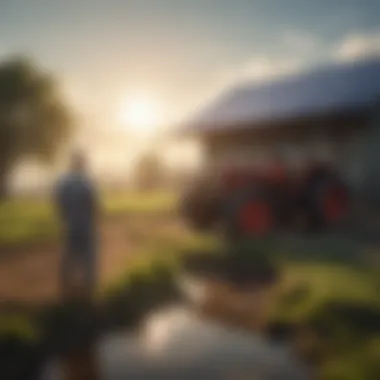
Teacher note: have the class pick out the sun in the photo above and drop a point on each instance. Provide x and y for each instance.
(139, 114)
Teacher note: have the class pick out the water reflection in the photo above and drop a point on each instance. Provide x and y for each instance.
(246, 307)
(184, 341)
(177, 343)
(187, 341)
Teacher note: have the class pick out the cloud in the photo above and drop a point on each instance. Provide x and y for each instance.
(296, 49)
(356, 46)
(262, 68)
(300, 50)
(300, 41)
(259, 68)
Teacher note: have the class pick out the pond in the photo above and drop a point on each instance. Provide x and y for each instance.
(175, 343)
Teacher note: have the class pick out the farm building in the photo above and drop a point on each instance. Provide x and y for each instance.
(323, 114)
(318, 127)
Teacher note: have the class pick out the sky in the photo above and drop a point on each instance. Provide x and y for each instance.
(178, 52)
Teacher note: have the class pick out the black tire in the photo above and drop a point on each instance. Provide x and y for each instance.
(329, 220)
(314, 198)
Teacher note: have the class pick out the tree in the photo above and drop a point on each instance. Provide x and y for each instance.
(149, 171)
(34, 119)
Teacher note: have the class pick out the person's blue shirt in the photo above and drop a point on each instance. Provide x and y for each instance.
(76, 200)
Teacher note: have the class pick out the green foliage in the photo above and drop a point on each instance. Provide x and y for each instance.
(339, 306)
(150, 284)
(19, 346)
(34, 119)
(240, 265)
(307, 287)
(18, 326)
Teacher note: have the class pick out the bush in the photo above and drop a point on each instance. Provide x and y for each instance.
(145, 288)
(20, 348)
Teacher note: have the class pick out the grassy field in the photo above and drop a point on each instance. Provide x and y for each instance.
(28, 221)
(137, 203)
(340, 307)
(335, 296)
(339, 304)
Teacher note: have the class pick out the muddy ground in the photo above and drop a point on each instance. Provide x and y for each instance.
(30, 273)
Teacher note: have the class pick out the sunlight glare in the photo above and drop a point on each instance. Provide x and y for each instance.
(140, 115)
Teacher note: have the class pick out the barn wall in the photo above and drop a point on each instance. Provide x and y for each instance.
(364, 165)
(329, 141)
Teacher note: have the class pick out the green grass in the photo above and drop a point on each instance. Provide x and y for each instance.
(342, 298)
(157, 202)
(331, 288)
(321, 284)
(335, 295)
(26, 221)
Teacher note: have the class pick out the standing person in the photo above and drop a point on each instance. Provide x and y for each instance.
(77, 206)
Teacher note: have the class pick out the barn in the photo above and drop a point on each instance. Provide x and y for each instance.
(321, 116)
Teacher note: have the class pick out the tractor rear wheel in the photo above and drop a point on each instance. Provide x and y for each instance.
(333, 203)
(328, 204)
(252, 215)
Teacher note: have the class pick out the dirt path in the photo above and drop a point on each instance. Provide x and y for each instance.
(32, 274)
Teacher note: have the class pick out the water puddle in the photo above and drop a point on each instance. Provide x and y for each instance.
(180, 342)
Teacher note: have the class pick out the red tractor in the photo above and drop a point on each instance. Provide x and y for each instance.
(254, 203)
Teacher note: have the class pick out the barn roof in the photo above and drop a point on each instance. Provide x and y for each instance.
(335, 88)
